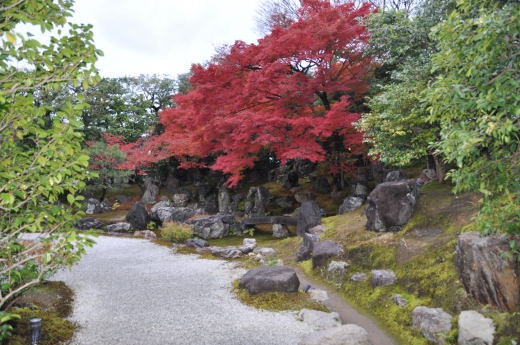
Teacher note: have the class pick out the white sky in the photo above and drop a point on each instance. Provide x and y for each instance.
(163, 36)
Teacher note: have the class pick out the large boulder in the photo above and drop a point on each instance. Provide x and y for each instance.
(157, 206)
(349, 334)
(256, 201)
(475, 329)
(151, 191)
(485, 273)
(319, 320)
(173, 214)
(306, 247)
(270, 279)
(391, 205)
(89, 223)
(323, 251)
(359, 190)
(383, 277)
(211, 227)
(118, 227)
(138, 217)
(308, 217)
(434, 323)
(350, 203)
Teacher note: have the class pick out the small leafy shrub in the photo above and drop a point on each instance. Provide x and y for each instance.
(176, 232)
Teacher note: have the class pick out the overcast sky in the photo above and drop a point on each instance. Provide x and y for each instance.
(164, 36)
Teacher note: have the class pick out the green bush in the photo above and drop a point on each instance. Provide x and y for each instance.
(176, 232)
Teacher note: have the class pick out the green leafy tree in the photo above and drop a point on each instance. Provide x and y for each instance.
(42, 165)
(476, 100)
(127, 106)
(397, 127)
(105, 157)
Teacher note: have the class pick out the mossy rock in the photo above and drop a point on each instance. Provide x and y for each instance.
(277, 301)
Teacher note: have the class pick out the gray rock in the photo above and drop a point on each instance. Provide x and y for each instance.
(210, 227)
(475, 329)
(323, 251)
(391, 205)
(151, 191)
(148, 234)
(317, 230)
(337, 268)
(138, 217)
(157, 206)
(318, 295)
(359, 276)
(360, 190)
(350, 203)
(224, 200)
(269, 279)
(306, 247)
(268, 253)
(181, 199)
(433, 323)
(196, 243)
(248, 245)
(429, 174)
(230, 252)
(302, 196)
(89, 223)
(309, 216)
(256, 201)
(118, 227)
(319, 320)
(399, 300)
(485, 274)
(94, 206)
(350, 334)
(394, 176)
(383, 277)
(280, 231)
(320, 184)
(173, 214)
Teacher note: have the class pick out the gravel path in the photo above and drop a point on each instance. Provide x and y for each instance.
(134, 292)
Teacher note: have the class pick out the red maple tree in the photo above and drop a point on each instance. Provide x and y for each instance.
(289, 93)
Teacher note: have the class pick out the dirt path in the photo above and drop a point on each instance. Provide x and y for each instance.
(348, 314)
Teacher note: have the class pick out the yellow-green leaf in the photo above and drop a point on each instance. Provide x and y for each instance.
(11, 38)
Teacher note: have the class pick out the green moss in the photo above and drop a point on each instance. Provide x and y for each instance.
(277, 301)
(176, 232)
(55, 330)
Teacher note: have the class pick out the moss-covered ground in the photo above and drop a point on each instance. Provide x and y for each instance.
(421, 255)
(50, 301)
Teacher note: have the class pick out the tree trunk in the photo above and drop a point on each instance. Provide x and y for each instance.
(103, 194)
(440, 168)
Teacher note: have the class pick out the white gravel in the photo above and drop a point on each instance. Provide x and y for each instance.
(134, 292)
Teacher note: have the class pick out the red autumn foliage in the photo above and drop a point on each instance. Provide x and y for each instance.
(288, 93)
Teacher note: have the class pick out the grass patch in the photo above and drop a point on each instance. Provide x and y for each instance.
(277, 301)
(176, 232)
